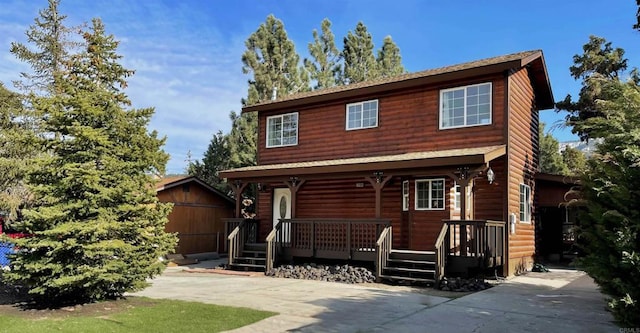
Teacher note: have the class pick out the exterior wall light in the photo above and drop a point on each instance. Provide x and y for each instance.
(491, 176)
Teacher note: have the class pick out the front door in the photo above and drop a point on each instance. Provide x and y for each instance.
(282, 210)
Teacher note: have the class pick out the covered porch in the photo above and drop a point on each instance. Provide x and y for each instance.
(358, 209)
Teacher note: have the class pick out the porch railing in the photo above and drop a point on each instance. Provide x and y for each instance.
(272, 247)
(442, 249)
(348, 239)
(383, 249)
(470, 244)
(244, 231)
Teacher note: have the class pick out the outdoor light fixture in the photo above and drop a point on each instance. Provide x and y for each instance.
(491, 176)
(262, 187)
(378, 175)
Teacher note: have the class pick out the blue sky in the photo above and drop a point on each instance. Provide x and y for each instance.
(187, 53)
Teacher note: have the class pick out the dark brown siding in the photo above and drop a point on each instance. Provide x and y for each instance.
(408, 121)
(523, 163)
(489, 198)
(197, 218)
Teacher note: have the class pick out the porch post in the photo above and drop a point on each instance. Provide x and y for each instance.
(294, 185)
(238, 187)
(378, 182)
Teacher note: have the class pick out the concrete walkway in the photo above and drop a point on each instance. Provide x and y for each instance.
(560, 301)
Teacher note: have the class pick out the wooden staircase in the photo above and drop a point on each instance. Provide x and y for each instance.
(410, 266)
(253, 257)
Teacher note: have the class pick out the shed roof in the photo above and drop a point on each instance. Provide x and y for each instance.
(169, 182)
(534, 59)
(424, 159)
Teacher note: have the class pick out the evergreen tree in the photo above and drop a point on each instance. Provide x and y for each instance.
(215, 159)
(610, 226)
(599, 60)
(50, 39)
(97, 226)
(325, 66)
(359, 61)
(16, 149)
(575, 160)
(389, 59)
(274, 64)
(550, 159)
(272, 59)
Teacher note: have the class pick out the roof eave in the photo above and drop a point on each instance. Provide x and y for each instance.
(472, 159)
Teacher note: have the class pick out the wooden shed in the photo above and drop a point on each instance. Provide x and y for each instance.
(198, 213)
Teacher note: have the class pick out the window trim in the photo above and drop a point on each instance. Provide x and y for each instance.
(440, 113)
(281, 116)
(346, 125)
(528, 214)
(405, 196)
(430, 201)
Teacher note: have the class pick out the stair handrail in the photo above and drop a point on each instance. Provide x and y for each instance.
(441, 252)
(383, 249)
(236, 241)
(272, 250)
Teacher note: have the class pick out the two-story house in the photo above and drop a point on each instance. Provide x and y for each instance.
(388, 170)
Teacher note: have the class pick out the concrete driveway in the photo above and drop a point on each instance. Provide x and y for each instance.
(559, 301)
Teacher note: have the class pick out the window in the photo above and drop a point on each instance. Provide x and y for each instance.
(362, 115)
(465, 106)
(457, 202)
(405, 196)
(430, 194)
(525, 203)
(282, 130)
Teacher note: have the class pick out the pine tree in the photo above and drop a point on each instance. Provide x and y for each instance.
(359, 61)
(325, 66)
(575, 160)
(550, 159)
(215, 159)
(98, 228)
(389, 59)
(50, 38)
(16, 150)
(609, 229)
(599, 60)
(272, 60)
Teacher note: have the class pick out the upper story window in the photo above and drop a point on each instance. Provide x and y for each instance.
(430, 194)
(525, 203)
(362, 115)
(465, 106)
(282, 130)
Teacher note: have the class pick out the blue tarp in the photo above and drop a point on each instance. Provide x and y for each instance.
(5, 250)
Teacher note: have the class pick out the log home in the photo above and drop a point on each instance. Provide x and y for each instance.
(426, 174)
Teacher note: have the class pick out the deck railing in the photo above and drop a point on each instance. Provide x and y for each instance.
(481, 242)
(272, 247)
(442, 249)
(383, 249)
(244, 231)
(348, 239)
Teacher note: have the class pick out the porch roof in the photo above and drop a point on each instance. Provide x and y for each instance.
(412, 160)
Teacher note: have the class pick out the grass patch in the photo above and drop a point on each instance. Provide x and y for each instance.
(136, 314)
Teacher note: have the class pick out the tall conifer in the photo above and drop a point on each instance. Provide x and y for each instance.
(359, 62)
(324, 67)
(97, 228)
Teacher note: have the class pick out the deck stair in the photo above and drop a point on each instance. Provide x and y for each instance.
(410, 266)
(253, 257)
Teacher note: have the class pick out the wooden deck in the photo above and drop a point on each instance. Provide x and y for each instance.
(460, 247)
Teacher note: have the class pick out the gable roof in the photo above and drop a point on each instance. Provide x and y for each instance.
(533, 59)
(169, 182)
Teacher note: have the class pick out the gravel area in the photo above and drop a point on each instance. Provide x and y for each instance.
(331, 273)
